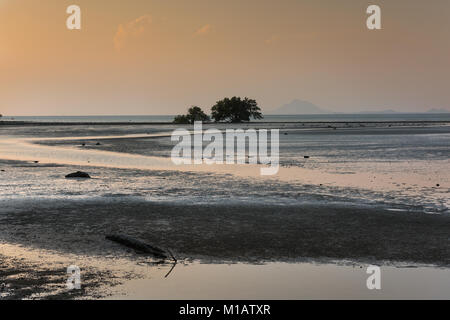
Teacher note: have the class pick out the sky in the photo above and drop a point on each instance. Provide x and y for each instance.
(154, 57)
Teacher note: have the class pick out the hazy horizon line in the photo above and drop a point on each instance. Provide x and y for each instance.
(268, 113)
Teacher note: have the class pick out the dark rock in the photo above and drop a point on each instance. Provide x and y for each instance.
(79, 174)
(36, 161)
(438, 185)
(98, 144)
(306, 157)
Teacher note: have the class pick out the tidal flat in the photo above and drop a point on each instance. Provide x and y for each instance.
(367, 194)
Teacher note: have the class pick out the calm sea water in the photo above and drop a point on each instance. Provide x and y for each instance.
(267, 118)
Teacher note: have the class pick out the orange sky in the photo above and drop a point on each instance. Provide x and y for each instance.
(161, 56)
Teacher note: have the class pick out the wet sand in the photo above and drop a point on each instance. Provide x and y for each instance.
(232, 233)
(70, 221)
(22, 278)
(205, 234)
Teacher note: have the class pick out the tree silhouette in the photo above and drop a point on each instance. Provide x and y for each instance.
(236, 109)
(194, 114)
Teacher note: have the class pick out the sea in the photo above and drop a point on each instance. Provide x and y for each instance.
(341, 117)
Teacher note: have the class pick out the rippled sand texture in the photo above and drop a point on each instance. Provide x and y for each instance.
(404, 166)
(368, 193)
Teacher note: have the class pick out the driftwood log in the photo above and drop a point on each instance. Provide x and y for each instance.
(138, 245)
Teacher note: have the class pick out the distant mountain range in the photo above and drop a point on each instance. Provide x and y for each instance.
(298, 106)
(438, 111)
(393, 111)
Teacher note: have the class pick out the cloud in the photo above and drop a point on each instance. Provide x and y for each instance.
(132, 29)
(207, 28)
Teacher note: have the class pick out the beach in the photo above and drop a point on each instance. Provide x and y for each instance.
(347, 195)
